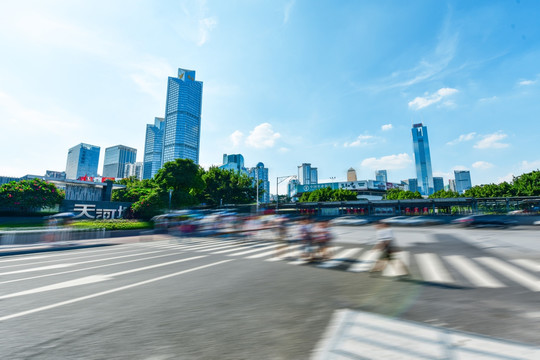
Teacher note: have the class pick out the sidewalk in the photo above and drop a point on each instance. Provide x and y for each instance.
(7, 250)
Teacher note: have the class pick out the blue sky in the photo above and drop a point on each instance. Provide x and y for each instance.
(334, 83)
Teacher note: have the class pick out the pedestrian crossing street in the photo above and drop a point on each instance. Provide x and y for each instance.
(449, 270)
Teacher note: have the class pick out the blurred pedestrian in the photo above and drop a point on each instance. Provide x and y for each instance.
(387, 247)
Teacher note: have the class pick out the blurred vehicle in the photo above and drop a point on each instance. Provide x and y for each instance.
(485, 221)
(412, 221)
(536, 222)
(349, 220)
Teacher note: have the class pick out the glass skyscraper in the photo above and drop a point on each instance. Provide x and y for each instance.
(381, 175)
(82, 160)
(116, 158)
(463, 180)
(261, 173)
(233, 162)
(181, 137)
(422, 159)
(307, 175)
(153, 148)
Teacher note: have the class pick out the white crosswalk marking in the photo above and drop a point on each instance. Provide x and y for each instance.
(472, 272)
(253, 250)
(511, 272)
(307, 260)
(366, 261)
(232, 248)
(527, 263)
(291, 253)
(270, 253)
(340, 257)
(395, 266)
(432, 269)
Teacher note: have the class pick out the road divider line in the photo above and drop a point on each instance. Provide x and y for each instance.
(111, 291)
(88, 268)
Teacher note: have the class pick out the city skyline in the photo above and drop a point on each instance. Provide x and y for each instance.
(469, 71)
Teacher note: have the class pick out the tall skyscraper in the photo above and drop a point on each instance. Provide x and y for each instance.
(410, 185)
(153, 148)
(381, 175)
(422, 159)
(351, 175)
(259, 172)
(307, 175)
(116, 158)
(438, 184)
(452, 184)
(181, 137)
(82, 160)
(463, 180)
(233, 162)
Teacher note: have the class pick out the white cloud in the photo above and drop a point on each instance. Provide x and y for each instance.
(361, 140)
(444, 175)
(527, 166)
(205, 26)
(462, 138)
(262, 136)
(149, 75)
(459, 167)
(287, 11)
(284, 150)
(387, 127)
(488, 99)
(390, 162)
(196, 25)
(422, 102)
(482, 165)
(492, 141)
(236, 137)
(526, 82)
(508, 178)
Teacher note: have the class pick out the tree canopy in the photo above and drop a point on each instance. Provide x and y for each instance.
(29, 195)
(398, 194)
(327, 194)
(228, 187)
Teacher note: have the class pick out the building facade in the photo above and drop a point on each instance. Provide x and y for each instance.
(181, 137)
(82, 160)
(259, 173)
(116, 158)
(351, 175)
(381, 175)
(233, 162)
(307, 175)
(410, 185)
(452, 185)
(463, 180)
(438, 184)
(422, 159)
(153, 148)
(134, 169)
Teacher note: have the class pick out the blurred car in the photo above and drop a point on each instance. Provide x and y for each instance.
(485, 221)
(412, 221)
(349, 220)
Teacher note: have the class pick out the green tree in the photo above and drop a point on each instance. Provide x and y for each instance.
(343, 195)
(527, 184)
(184, 178)
(228, 187)
(398, 194)
(444, 194)
(30, 195)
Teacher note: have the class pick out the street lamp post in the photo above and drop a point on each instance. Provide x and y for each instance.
(282, 178)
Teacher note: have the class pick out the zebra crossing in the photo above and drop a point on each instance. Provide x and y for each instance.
(454, 270)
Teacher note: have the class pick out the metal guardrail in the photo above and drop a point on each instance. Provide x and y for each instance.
(48, 235)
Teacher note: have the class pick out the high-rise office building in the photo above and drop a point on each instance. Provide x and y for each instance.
(82, 160)
(422, 159)
(351, 175)
(381, 175)
(438, 184)
(307, 175)
(233, 162)
(452, 184)
(410, 185)
(259, 172)
(153, 148)
(134, 169)
(463, 180)
(182, 133)
(116, 158)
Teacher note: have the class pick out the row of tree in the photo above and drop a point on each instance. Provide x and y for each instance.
(182, 183)
(327, 194)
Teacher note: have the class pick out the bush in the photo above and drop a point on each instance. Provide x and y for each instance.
(117, 224)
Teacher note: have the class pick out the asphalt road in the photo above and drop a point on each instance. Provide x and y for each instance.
(217, 299)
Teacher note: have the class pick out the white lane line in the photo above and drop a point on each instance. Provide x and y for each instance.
(220, 246)
(432, 269)
(366, 261)
(472, 272)
(254, 250)
(91, 279)
(26, 257)
(340, 258)
(528, 264)
(89, 268)
(70, 259)
(527, 280)
(269, 253)
(41, 268)
(121, 288)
